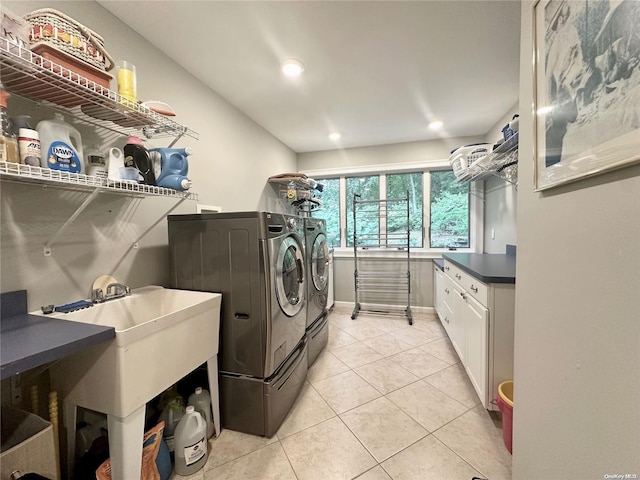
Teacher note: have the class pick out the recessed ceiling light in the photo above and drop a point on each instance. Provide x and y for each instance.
(334, 136)
(291, 67)
(436, 125)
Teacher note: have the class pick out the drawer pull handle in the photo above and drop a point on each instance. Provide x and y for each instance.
(475, 289)
(447, 268)
(446, 319)
(446, 290)
(458, 276)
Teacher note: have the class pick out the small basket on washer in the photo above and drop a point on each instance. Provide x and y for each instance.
(56, 30)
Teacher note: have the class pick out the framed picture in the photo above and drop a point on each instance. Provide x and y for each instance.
(587, 88)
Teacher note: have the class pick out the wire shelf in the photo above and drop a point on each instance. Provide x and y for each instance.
(20, 173)
(39, 79)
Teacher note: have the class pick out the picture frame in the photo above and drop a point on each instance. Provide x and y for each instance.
(586, 88)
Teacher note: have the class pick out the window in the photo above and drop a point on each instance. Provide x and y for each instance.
(398, 185)
(330, 211)
(445, 210)
(449, 211)
(369, 189)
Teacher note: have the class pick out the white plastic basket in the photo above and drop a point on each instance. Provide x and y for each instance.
(463, 158)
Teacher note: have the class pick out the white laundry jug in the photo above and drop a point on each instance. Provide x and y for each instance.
(201, 400)
(190, 440)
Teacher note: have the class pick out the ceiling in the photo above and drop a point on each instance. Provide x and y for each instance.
(377, 72)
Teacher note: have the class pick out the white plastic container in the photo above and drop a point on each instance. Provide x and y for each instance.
(116, 162)
(190, 443)
(171, 416)
(29, 147)
(95, 162)
(201, 400)
(61, 145)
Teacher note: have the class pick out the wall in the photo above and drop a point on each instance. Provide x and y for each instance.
(500, 201)
(230, 165)
(577, 324)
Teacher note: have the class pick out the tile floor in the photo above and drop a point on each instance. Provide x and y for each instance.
(384, 400)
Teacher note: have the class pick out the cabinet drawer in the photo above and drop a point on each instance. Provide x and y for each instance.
(470, 284)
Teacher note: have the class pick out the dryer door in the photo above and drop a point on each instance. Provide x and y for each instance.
(290, 276)
(320, 262)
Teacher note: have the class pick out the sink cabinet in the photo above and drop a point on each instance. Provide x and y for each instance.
(478, 318)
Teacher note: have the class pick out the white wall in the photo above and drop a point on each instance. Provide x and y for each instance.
(231, 163)
(577, 324)
(500, 201)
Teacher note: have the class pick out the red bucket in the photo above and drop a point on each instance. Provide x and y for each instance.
(505, 404)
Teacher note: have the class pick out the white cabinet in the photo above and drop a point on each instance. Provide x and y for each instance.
(478, 319)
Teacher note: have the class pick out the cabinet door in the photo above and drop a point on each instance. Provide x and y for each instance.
(459, 321)
(438, 290)
(477, 346)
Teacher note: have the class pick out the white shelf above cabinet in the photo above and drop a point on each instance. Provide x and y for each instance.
(502, 163)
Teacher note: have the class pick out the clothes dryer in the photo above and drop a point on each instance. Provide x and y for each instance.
(317, 257)
(256, 260)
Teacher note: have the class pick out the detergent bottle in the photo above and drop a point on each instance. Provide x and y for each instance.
(61, 145)
(174, 168)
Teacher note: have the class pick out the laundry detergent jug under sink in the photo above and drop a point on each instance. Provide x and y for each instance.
(174, 167)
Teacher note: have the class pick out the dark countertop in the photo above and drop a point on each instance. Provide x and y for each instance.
(29, 341)
(439, 262)
(487, 267)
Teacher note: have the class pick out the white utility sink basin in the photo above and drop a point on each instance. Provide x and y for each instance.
(161, 336)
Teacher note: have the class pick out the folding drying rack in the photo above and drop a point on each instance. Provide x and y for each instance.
(387, 282)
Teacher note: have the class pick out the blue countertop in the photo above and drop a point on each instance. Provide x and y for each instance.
(29, 341)
(487, 267)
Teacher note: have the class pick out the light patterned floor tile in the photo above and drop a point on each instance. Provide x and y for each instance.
(361, 329)
(199, 475)
(419, 362)
(454, 382)
(231, 445)
(387, 345)
(268, 463)
(415, 336)
(428, 459)
(356, 354)
(383, 428)
(477, 438)
(325, 366)
(442, 349)
(308, 410)
(386, 375)
(376, 473)
(427, 405)
(327, 451)
(345, 391)
(339, 338)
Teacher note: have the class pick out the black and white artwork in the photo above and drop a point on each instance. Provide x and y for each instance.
(587, 82)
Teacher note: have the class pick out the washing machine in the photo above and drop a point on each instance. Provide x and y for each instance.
(256, 260)
(317, 258)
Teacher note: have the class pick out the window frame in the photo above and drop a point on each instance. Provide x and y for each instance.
(476, 207)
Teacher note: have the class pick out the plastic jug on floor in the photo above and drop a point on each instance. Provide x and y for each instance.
(190, 443)
(201, 400)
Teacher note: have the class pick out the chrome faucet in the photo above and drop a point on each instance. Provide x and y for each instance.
(114, 290)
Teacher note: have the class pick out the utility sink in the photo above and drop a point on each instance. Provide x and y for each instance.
(161, 336)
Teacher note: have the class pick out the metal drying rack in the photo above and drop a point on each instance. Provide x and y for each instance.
(393, 233)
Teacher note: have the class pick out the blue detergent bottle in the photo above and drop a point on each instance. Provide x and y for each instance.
(174, 167)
